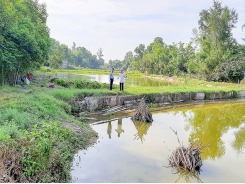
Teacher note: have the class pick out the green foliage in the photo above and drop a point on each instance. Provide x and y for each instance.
(41, 151)
(77, 57)
(63, 82)
(81, 84)
(21, 118)
(216, 41)
(160, 58)
(24, 39)
(231, 71)
(44, 107)
(9, 131)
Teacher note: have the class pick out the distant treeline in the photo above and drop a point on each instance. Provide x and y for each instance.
(213, 52)
(78, 57)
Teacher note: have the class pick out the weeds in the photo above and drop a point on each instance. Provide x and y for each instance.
(81, 84)
(43, 154)
(42, 144)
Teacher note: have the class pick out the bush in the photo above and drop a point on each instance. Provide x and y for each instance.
(81, 84)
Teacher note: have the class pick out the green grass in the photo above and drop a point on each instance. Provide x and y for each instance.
(44, 156)
(27, 116)
(177, 89)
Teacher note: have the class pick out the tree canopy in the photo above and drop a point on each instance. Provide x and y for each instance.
(213, 52)
(24, 37)
(78, 56)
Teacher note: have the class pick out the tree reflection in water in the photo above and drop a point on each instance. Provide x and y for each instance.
(239, 143)
(209, 123)
(141, 128)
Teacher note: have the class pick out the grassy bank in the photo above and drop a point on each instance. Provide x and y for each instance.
(39, 135)
(176, 84)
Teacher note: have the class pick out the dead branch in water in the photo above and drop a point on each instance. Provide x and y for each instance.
(142, 113)
(187, 158)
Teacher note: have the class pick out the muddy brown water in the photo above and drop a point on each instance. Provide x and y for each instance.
(128, 151)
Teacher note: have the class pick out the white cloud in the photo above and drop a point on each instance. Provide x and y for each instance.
(119, 26)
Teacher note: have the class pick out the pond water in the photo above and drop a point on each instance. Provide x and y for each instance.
(128, 151)
(102, 78)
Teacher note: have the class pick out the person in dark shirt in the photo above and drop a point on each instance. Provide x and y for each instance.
(111, 77)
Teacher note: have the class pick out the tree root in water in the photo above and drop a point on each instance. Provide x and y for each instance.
(187, 158)
(142, 113)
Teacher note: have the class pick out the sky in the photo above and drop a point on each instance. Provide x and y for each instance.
(119, 26)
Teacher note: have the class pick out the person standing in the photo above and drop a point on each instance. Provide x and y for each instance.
(111, 78)
(121, 77)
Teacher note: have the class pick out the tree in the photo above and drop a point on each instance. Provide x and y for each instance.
(140, 50)
(100, 55)
(116, 64)
(128, 58)
(24, 40)
(216, 41)
(233, 69)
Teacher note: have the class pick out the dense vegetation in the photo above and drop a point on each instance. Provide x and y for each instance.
(212, 53)
(77, 56)
(24, 38)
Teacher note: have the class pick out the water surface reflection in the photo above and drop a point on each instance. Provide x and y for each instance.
(130, 151)
(103, 78)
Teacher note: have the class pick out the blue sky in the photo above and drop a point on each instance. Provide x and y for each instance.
(119, 26)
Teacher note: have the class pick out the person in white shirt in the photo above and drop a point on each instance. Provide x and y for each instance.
(121, 77)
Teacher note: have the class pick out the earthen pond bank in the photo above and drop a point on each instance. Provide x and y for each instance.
(130, 101)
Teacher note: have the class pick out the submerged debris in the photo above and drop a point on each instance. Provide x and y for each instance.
(142, 113)
(187, 158)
